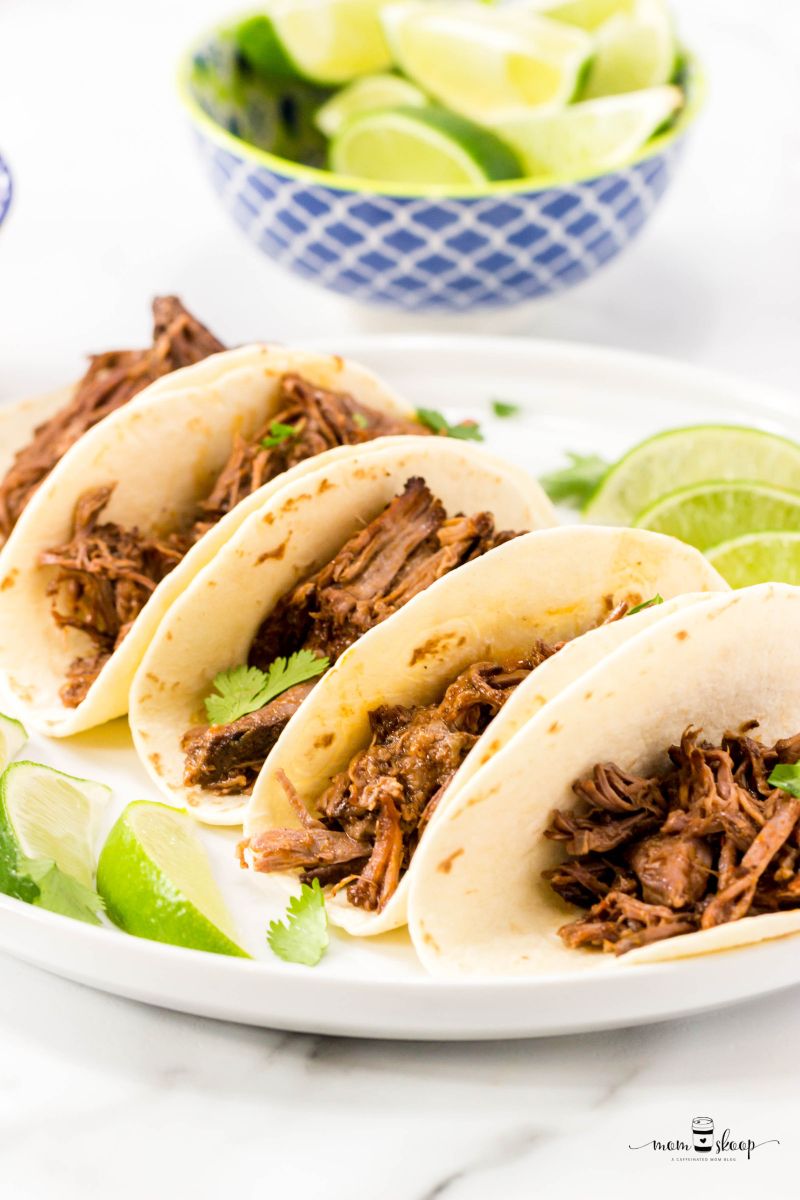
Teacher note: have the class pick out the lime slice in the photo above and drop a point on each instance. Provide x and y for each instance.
(156, 881)
(13, 737)
(45, 814)
(366, 95)
(715, 512)
(482, 61)
(682, 457)
(634, 50)
(586, 14)
(593, 136)
(421, 145)
(326, 41)
(758, 558)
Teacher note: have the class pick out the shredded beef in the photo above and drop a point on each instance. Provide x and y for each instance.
(707, 841)
(403, 550)
(105, 575)
(380, 805)
(321, 420)
(112, 380)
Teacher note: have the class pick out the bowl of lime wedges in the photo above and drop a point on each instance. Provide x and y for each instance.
(442, 154)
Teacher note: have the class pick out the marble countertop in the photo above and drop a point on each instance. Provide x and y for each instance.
(100, 1096)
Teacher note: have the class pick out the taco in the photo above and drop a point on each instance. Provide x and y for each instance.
(424, 702)
(650, 813)
(329, 556)
(146, 497)
(36, 434)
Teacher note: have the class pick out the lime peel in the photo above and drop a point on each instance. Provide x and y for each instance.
(156, 881)
(691, 455)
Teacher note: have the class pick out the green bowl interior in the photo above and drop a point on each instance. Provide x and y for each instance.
(270, 123)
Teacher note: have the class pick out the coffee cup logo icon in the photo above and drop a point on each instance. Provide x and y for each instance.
(703, 1134)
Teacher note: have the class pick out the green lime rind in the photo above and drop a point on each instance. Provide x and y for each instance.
(364, 95)
(692, 455)
(767, 557)
(144, 897)
(260, 46)
(717, 511)
(445, 140)
(13, 736)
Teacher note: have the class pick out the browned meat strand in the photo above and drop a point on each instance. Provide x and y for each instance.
(322, 420)
(227, 758)
(112, 380)
(403, 550)
(105, 576)
(377, 809)
(705, 842)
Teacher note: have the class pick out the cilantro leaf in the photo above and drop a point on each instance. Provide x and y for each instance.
(657, 599)
(303, 937)
(466, 431)
(360, 421)
(786, 776)
(243, 689)
(60, 893)
(577, 483)
(278, 432)
(504, 408)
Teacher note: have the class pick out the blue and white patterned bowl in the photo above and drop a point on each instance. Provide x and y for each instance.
(420, 248)
(6, 189)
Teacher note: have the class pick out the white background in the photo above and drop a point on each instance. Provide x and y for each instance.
(101, 1097)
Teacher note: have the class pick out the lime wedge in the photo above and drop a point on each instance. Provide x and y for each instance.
(156, 881)
(480, 61)
(45, 814)
(758, 558)
(366, 95)
(634, 50)
(593, 136)
(711, 513)
(421, 145)
(13, 737)
(325, 41)
(682, 457)
(586, 14)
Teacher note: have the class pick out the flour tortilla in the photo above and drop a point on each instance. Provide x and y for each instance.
(554, 585)
(163, 449)
(299, 529)
(18, 421)
(478, 904)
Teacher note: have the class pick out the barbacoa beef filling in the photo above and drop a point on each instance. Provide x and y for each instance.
(372, 816)
(112, 380)
(402, 551)
(705, 842)
(321, 420)
(105, 576)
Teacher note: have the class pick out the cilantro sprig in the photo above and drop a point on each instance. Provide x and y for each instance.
(786, 776)
(575, 484)
(505, 408)
(657, 599)
(41, 882)
(303, 936)
(278, 433)
(243, 689)
(466, 431)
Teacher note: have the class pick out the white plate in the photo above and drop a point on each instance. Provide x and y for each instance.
(573, 398)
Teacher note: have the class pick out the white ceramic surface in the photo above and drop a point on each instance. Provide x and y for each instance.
(571, 397)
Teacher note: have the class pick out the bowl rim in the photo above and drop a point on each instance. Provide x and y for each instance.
(325, 178)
